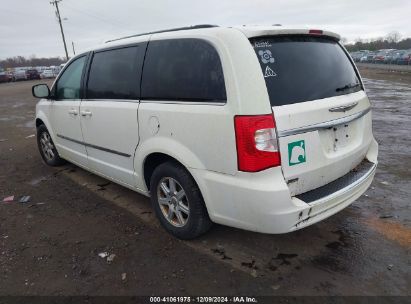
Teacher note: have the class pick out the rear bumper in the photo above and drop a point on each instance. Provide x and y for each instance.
(330, 204)
(261, 201)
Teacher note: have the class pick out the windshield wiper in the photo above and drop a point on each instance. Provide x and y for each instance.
(348, 86)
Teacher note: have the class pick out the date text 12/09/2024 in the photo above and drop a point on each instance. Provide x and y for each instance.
(208, 299)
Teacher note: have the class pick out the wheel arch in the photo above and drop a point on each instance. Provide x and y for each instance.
(157, 150)
(41, 119)
(153, 160)
(39, 122)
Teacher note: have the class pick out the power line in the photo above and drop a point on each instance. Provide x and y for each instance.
(98, 17)
(55, 3)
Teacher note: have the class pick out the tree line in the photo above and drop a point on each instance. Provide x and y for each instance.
(391, 41)
(21, 61)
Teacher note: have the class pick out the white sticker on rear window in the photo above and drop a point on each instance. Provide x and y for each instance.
(266, 56)
(269, 72)
(262, 44)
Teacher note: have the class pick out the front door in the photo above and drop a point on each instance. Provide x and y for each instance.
(65, 114)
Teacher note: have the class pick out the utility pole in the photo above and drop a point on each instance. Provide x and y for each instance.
(74, 51)
(55, 3)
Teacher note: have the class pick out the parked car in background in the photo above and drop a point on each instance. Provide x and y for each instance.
(19, 74)
(383, 56)
(56, 70)
(368, 57)
(40, 69)
(392, 58)
(356, 56)
(380, 56)
(10, 76)
(4, 77)
(32, 74)
(47, 74)
(388, 57)
(404, 58)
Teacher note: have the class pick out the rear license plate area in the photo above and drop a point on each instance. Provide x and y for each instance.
(342, 135)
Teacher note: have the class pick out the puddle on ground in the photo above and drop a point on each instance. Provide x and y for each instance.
(18, 105)
(30, 124)
(12, 117)
(36, 181)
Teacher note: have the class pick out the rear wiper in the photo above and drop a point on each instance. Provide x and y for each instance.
(348, 86)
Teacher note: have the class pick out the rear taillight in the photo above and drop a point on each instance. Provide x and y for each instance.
(315, 32)
(257, 147)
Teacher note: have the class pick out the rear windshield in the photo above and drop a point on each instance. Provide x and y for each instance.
(304, 68)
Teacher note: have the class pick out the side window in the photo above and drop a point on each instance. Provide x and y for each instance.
(182, 70)
(116, 74)
(69, 84)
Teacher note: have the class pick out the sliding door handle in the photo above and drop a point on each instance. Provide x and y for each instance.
(73, 112)
(86, 113)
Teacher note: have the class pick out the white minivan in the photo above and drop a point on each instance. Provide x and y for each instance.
(261, 128)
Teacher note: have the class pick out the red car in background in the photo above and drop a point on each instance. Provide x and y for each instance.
(32, 74)
(4, 77)
(405, 58)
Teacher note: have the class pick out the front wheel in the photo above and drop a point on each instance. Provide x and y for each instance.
(178, 202)
(47, 148)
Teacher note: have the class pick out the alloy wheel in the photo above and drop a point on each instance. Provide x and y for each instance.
(47, 146)
(173, 201)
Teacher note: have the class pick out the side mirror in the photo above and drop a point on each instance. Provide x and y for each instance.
(41, 91)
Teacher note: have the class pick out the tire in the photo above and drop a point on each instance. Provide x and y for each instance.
(186, 216)
(47, 149)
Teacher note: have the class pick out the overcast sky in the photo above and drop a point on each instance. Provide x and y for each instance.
(29, 27)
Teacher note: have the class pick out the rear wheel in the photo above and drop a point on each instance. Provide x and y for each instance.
(47, 148)
(177, 201)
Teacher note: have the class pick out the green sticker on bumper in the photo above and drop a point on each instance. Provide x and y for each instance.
(296, 153)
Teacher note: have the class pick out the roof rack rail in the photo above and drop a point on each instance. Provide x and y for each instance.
(193, 27)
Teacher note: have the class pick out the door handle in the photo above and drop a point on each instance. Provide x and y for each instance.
(73, 112)
(86, 113)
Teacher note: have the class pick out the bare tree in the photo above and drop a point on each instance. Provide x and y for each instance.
(393, 36)
(344, 40)
(20, 61)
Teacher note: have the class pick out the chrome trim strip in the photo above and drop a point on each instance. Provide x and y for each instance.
(93, 146)
(159, 101)
(184, 102)
(346, 189)
(112, 100)
(324, 125)
(344, 108)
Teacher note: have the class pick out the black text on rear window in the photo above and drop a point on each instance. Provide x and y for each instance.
(182, 70)
(304, 68)
(116, 73)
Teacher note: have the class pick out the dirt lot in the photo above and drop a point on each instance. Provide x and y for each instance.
(51, 245)
(405, 69)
